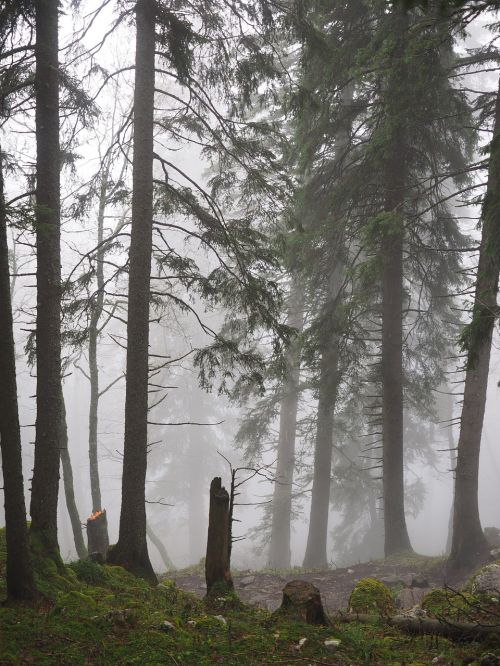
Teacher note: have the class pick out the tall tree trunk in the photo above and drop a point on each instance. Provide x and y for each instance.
(20, 582)
(316, 553)
(69, 490)
(279, 550)
(95, 485)
(131, 551)
(45, 485)
(469, 545)
(396, 533)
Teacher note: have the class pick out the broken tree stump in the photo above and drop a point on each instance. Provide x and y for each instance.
(217, 562)
(97, 533)
(302, 603)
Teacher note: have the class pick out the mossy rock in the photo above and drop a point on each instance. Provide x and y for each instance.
(372, 597)
(446, 603)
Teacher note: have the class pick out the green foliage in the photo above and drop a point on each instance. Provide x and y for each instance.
(89, 572)
(371, 596)
(122, 621)
(448, 604)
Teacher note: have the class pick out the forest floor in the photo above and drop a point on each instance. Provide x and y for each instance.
(263, 589)
(91, 614)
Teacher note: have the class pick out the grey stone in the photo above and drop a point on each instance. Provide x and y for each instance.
(487, 581)
(490, 660)
(396, 579)
(409, 597)
(247, 580)
(167, 626)
(419, 581)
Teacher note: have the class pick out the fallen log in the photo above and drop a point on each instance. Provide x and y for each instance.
(457, 631)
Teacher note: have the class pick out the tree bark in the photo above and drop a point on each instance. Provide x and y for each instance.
(396, 532)
(69, 490)
(19, 575)
(316, 549)
(469, 545)
(217, 564)
(131, 551)
(97, 533)
(279, 550)
(45, 484)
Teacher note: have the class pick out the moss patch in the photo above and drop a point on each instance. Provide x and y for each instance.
(371, 596)
(110, 617)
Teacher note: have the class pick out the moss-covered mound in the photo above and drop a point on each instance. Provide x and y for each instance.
(371, 596)
(109, 617)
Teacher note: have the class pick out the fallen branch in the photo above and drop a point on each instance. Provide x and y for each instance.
(459, 631)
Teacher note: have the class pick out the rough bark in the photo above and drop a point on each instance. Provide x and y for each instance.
(131, 551)
(19, 573)
(391, 252)
(469, 545)
(316, 549)
(45, 484)
(160, 547)
(97, 533)
(279, 549)
(69, 490)
(217, 564)
(302, 603)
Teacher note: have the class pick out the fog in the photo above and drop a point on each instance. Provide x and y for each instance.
(183, 459)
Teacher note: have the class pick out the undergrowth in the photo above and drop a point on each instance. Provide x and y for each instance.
(103, 615)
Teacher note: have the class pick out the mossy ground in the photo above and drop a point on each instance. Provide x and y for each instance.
(104, 615)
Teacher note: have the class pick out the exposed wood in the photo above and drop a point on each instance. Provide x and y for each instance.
(97, 533)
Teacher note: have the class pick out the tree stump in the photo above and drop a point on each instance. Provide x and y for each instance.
(97, 533)
(217, 564)
(302, 603)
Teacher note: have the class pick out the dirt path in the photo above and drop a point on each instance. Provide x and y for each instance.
(264, 589)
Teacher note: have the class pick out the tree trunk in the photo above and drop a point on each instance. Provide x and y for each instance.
(279, 550)
(160, 547)
(19, 575)
(69, 490)
(316, 549)
(469, 545)
(131, 551)
(95, 486)
(97, 533)
(45, 484)
(217, 564)
(396, 533)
